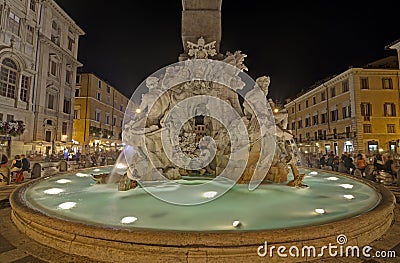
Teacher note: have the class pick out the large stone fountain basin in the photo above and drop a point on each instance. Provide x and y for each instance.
(137, 245)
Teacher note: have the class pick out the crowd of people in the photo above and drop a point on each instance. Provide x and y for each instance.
(354, 164)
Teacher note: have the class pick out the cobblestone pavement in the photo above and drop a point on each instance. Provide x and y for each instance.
(16, 247)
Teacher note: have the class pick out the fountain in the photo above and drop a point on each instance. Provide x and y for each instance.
(204, 175)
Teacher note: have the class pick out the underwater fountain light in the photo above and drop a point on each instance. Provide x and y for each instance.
(313, 173)
(347, 186)
(138, 110)
(82, 175)
(349, 197)
(53, 191)
(236, 223)
(332, 178)
(128, 219)
(67, 205)
(210, 194)
(320, 211)
(96, 170)
(63, 181)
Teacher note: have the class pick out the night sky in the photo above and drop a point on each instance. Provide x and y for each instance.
(296, 44)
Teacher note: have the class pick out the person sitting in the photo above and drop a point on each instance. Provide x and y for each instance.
(26, 165)
(4, 173)
(389, 165)
(16, 168)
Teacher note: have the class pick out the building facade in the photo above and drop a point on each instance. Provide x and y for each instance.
(38, 59)
(99, 111)
(56, 72)
(18, 38)
(355, 111)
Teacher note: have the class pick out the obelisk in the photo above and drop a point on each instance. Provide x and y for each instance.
(201, 18)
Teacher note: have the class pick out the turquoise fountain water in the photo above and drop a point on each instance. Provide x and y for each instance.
(76, 197)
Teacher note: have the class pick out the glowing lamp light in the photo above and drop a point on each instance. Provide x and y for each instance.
(236, 223)
(120, 166)
(346, 186)
(349, 197)
(67, 205)
(128, 220)
(332, 178)
(210, 194)
(63, 181)
(138, 110)
(319, 211)
(82, 175)
(276, 110)
(53, 191)
(313, 173)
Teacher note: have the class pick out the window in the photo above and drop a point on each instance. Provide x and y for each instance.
(387, 83)
(345, 86)
(25, 82)
(300, 124)
(53, 67)
(67, 106)
(78, 79)
(293, 125)
(97, 115)
(346, 112)
(334, 115)
(334, 133)
(50, 101)
(333, 92)
(55, 33)
(390, 128)
(99, 83)
(306, 103)
(48, 136)
(10, 117)
(367, 128)
(299, 107)
(29, 34)
(8, 78)
(323, 118)
(98, 96)
(308, 122)
(315, 135)
(307, 135)
(13, 23)
(366, 109)
(364, 83)
(71, 42)
(77, 114)
(108, 89)
(292, 109)
(64, 128)
(1, 116)
(107, 119)
(314, 100)
(348, 130)
(77, 92)
(121, 123)
(121, 107)
(389, 109)
(323, 96)
(114, 121)
(68, 76)
(315, 120)
(32, 5)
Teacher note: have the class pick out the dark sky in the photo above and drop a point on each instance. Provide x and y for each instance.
(296, 44)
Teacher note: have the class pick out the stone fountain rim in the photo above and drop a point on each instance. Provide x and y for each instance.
(33, 218)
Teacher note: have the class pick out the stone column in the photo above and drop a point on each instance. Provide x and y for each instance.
(201, 18)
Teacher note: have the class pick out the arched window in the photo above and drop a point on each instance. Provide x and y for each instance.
(8, 78)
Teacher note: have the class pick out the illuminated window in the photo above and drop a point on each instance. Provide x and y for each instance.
(8, 78)
(389, 109)
(345, 86)
(364, 83)
(367, 128)
(387, 83)
(391, 128)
